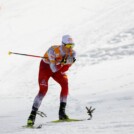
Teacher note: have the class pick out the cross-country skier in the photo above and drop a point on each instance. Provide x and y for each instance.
(55, 63)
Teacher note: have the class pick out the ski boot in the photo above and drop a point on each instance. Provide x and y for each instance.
(31, 118)
(62, 114)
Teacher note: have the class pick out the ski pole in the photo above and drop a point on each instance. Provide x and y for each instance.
(36, 56)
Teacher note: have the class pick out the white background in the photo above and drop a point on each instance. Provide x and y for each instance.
(102, 77)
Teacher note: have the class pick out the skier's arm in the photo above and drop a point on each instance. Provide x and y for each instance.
(51, 57)
(69, 61)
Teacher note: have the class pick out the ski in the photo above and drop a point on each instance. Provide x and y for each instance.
(33, 127)
(67, 120)
(89, 111)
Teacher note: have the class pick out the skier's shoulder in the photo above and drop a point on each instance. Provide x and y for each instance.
(55, 49)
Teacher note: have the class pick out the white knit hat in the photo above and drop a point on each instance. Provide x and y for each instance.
(67, 39)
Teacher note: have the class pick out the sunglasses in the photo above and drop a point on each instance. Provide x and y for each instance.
(70, 45)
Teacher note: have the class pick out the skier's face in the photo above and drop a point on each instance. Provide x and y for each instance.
(70, 45)
(67, 49)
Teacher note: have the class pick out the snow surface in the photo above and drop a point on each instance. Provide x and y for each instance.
(102, 77)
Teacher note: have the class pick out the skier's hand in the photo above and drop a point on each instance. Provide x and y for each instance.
(68, 60)
(64, 61)
(74, 59)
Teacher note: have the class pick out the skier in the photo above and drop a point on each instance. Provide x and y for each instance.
(55, 63)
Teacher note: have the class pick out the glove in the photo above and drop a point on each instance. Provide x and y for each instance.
(74, 59)
(64, 61)
(68, 60)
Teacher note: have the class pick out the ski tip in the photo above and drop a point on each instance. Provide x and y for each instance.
(33, 127)
(27, 126)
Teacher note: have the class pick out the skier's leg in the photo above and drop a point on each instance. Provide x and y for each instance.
(63, 81)
(37, 102)
(44, 75)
